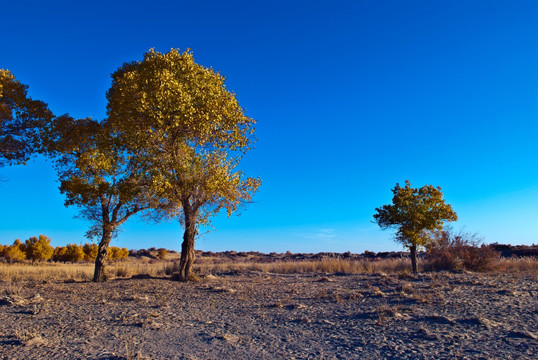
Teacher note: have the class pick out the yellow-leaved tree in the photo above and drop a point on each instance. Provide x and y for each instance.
(90, 251)
(38, 248)
(13, 253)
(98, 177)
(413, 213)
(178, 120)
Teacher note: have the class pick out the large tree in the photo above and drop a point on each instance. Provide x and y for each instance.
(99, 178)
(181, 123)
(22, 121)
(413, 212)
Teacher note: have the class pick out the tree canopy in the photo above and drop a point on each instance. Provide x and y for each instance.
(189, 132)
(96, 176)
(22, 121)
(412, 212)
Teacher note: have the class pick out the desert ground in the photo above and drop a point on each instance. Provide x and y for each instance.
(253, 314)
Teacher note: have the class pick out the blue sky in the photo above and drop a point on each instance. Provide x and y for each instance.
(351, 97)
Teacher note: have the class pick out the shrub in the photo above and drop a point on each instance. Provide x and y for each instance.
(38, 249)
(90, 251)
(13, 254)
(74, 253)
(116, 254)
(20, 244)
(161, 254)
(59, 254)
(448, 250)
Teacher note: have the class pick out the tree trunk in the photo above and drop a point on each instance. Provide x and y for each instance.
(413, 250)
(187, 247)
(101, 261)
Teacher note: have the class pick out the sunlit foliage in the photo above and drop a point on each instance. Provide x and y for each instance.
(38, 248)
(116, 253)
(74, 253)
(20, 245)
(412, 212)
(13, 253)
(90, 251)
(161, 254)
(181, 123)
(98, 177)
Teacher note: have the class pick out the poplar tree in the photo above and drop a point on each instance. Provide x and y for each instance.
(413, 212)
(189, 132)
(22, 121)
(99, 178)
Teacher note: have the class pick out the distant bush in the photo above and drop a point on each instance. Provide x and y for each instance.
(13, 253)
(20, 244)
(74, 253)
(161, 254)
(116, 254)
(448, 250)
(38, 249)
(70, 253)
(59, 254)
(90, 251)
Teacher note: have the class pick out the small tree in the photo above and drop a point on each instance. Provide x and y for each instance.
(412, 212)
(38, 249)
(98, 177)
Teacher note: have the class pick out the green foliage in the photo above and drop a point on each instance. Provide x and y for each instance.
(39, 249)
(21, 121)
(414, 211)
(90, 251)
(116, 254)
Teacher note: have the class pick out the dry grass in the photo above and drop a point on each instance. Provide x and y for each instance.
(75, 272)
(525, 264)
(327, 266)
(134, 267)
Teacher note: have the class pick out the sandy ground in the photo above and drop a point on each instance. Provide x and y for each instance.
(256, 315)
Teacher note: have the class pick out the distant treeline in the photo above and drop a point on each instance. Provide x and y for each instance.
(503, 249)
(37, 249)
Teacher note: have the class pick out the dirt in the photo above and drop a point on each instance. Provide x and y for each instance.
(256, 315)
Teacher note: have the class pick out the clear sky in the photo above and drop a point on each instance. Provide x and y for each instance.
(351, 97)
